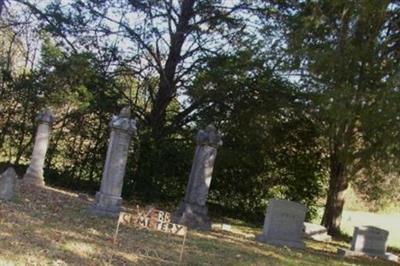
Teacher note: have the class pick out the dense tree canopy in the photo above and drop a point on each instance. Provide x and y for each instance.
(270, 145)
(347, 54)
(305, 94)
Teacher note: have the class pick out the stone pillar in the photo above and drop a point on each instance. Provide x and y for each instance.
(193, 211)
(108, 199)
(34, 173)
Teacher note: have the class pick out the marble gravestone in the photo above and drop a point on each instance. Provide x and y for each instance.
(8, 184)
(369, 241)
(108, 199)
(283, 224)
(193, 211)
(34, 173)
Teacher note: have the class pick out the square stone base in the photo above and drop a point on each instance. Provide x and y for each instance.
(280, 242)
(106, 205)
(351, 253)
(321, 238)
(193, 216)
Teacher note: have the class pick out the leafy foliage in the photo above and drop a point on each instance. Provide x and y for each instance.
(181, 65)
(346, 55)
(270, 146)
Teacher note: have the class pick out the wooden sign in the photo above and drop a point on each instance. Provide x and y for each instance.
(153, 220)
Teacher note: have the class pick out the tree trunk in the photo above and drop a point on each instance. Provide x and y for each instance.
(338, 184)
(167, 86)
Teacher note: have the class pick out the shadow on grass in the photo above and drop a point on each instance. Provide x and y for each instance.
(47, 225)
(44, 226)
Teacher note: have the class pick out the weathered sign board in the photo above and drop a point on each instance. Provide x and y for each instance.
(153, 219)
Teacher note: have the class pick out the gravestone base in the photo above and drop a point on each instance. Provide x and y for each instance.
(280, 242)
(106, 205)
(193, 216)
(32, 177)
(351, 253)
(316, 232)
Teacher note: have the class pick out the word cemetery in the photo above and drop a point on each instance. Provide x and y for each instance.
(153, 220)
(157, 220)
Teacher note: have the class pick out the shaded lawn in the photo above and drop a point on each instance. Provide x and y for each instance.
(53, 227)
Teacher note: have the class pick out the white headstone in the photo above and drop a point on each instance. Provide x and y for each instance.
(108, 199)
(34, 173)
(283, 224)
(193, 211)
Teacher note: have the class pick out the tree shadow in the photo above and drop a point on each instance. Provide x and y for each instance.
(56, 225)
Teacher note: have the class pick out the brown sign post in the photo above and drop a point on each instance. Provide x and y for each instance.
(153, 220)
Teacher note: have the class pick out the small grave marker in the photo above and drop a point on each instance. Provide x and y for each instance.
(369, 241)
(8, 183)
(283, 225)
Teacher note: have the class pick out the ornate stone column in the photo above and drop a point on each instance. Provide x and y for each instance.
(108, 199)
(34, 173)
(193, 211)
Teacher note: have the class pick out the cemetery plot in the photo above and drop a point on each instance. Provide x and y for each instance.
(156, 220)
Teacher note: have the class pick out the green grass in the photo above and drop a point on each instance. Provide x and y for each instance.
(390, 222)
(53, 227)
(387, 221)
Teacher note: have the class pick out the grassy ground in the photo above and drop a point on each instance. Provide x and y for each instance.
(52, 227)
(390, 222)
(387, 221)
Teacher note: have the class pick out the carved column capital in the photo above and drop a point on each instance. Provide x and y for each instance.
(45, 117)
(209, 136)
(123, 121)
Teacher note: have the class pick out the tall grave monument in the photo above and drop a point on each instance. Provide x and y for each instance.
(108, 199)
(193, 211)
(34, 173)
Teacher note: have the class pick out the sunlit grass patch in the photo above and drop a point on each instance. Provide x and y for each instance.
(81, 248)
